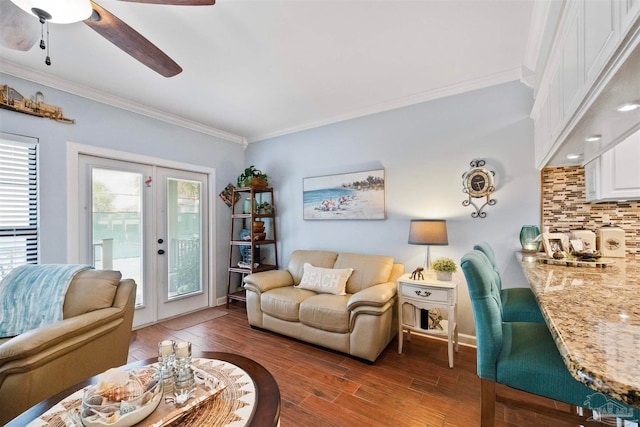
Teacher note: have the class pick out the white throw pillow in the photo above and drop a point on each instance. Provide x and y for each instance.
(325, 280)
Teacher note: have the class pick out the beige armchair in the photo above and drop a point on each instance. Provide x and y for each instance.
(93, 337)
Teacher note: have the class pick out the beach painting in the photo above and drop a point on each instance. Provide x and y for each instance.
(355, 195)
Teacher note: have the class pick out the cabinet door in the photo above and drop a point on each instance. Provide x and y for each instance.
(630, 11)
(555, 107)
(600, 35)
(542, 135)
(572, 77)
(592, 180)
(620, 172)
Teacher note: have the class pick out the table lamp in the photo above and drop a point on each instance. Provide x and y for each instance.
(428, 232)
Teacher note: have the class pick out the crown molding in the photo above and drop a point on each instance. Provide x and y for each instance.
(514, 74)
(509, 75)
(114, 101)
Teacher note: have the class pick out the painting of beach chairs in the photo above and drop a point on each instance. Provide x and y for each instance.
(355, 195)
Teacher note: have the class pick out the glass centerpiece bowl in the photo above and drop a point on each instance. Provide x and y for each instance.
(122, 398)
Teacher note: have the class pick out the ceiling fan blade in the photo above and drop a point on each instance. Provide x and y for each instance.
(177, 2)
(129, 40)
(18, 29)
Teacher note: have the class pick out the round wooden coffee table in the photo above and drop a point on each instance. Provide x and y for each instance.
(266, 410)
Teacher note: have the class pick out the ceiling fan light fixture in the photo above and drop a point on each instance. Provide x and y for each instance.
(57, 11)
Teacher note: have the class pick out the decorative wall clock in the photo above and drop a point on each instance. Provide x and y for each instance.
(478, 182)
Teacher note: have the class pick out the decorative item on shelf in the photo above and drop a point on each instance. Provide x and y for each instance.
(264, 208)
(530, 238)
(478, 182)
(444, 267)
(253, 177)
(227, 195)
(11, 99)
(245, 253)
(610, 240)
(428, 232)
(434, 319)
(247, 206)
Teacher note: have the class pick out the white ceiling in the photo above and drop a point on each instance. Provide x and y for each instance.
(262, 68)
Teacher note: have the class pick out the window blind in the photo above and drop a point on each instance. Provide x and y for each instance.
(18, 202)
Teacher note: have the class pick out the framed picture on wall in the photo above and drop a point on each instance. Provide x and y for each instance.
(355, 195)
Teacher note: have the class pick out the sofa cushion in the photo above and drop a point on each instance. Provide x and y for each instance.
(368, 270)
(326, 312)
(325, 280)
(90, 290)
(284, 303)
(323, 259)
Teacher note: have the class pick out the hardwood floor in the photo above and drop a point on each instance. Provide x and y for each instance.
(322, 388)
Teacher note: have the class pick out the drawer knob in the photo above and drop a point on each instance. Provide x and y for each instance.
(422, 293)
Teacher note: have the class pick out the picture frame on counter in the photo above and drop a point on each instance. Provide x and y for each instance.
(553, 242)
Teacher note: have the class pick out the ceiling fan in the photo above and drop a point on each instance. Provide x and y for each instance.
(17, 28)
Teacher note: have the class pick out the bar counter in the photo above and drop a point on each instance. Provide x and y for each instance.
(593, 314)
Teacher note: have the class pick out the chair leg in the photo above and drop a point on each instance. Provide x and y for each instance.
(488, 405)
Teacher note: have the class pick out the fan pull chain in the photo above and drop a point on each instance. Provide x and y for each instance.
(48, 59)
(42, 45)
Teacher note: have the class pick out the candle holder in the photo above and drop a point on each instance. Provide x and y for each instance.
(166, 360)
(183, 378)
(529, 238)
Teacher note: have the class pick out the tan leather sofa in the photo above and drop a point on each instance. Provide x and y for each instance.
(93, 336)
(360, 323)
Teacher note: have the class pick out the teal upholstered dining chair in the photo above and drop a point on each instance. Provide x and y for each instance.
(520, 355)
(518, 304)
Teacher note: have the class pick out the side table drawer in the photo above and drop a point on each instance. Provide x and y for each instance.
(424, 293)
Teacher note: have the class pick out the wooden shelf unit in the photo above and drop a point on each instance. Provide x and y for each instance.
(240, 221)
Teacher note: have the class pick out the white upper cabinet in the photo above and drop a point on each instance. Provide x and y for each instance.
(629, 12)
(572, 75)
(591, 35)
(600, 35)
(615, 175)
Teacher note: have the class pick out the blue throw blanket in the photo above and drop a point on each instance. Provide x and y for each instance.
(33, 295)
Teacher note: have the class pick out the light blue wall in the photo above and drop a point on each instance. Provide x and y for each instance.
(424, 150)
(104, 126)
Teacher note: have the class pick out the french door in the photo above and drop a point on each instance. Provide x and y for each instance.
(150, 223)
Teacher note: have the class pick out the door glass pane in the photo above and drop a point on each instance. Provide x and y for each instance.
(116, 200)
(184, 225)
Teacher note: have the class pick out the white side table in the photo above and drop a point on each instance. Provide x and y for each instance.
(414, 295)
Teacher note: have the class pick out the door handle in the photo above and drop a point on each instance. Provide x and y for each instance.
(160, 251)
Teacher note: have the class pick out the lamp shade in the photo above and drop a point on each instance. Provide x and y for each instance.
(428, 232)
(59, 11)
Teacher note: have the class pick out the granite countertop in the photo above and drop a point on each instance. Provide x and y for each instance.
(593, 314)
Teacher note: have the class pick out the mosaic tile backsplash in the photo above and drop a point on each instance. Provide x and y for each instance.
(564, 207)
